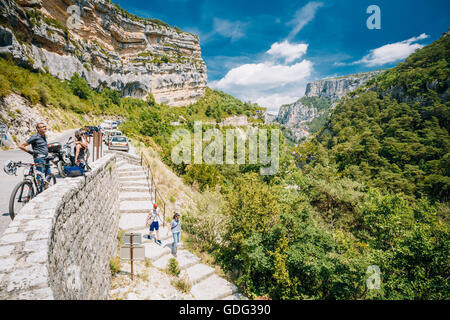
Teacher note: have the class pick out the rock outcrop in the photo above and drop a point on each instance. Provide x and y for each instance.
(337, 88)
(300, 119)
(105, 45)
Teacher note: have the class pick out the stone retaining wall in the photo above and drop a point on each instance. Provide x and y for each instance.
(60, 244)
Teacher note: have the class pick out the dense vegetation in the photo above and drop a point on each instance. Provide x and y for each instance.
(395, 135)
(373, 190)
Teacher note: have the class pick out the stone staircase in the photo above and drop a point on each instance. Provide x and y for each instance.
(135, 203)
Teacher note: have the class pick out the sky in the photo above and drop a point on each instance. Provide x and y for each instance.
(267, 51)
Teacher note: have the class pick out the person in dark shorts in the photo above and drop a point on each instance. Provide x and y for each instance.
(153, 220)
(38, 142)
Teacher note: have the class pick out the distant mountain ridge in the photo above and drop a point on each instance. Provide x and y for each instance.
(305, 116)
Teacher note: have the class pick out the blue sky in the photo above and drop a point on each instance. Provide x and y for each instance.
(267, 51)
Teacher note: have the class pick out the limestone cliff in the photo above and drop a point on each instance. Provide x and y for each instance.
(337, 88)
(309, 113)
(106, 45)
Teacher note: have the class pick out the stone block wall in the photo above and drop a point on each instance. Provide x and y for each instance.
(60, 244)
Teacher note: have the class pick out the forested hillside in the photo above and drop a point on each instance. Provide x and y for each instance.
(370, 189)
(394, 132)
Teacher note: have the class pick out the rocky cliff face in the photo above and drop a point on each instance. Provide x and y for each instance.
(105, 45)
(337, 88)
(306, 115)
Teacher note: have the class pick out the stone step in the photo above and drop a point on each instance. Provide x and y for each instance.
(166, 238)
(121, 163)
(133, 178)
(199, 272)
(136, 207)
(137, 183)
(132, 221)
(154, 251)
(185, 260)
(129, 167)
(126, 173)
(213, 288)
(135, 189)
(135, 196)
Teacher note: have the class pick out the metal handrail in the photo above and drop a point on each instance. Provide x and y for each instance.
(154, 188)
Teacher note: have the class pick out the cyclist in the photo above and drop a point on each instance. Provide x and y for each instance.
(38, 142)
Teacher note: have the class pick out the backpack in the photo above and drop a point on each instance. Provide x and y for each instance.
(74, 171)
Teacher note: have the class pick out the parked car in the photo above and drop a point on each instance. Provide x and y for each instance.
(119, 143)
(111, 134)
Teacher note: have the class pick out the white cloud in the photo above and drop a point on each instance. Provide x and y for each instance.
(303, 16)
(392, 52)
(229, 29)
(274, 101)
(265, 74)
(289, 51)
(268, 84)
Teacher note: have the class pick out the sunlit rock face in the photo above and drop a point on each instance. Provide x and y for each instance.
(297, 118)
(106, 46)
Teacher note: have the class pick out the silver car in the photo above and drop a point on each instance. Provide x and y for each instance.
(119, 143)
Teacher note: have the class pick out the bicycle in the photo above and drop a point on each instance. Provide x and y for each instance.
(33, 183)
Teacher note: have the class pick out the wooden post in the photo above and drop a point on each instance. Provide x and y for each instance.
(93, 146)
(98, 147)
(100, 135)
(131, 255)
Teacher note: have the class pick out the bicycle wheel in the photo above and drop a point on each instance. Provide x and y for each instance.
(21, 195)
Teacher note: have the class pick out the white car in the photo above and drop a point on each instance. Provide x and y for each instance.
(119, 143)
(113, 133)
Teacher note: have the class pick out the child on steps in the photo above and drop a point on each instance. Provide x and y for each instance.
(153, 220)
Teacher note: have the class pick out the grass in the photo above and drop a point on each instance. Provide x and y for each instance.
(183, 285)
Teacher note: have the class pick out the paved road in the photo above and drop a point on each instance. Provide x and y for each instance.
(9, 182)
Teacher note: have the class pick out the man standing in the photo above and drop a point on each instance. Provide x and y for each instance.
(38, 142)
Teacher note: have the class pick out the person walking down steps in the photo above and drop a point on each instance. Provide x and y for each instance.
(153, 220)
(175, 227)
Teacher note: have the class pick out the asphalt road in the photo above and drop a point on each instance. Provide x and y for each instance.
(8, 182)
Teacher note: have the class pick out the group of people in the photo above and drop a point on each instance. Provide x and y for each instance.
(39, 151)
(39, 147)
(152, 222)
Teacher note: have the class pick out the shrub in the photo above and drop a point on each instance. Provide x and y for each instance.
(173, 268)
(114, 266)
(80, 86)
